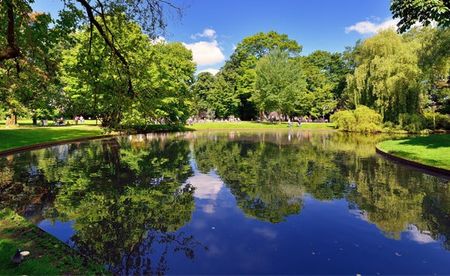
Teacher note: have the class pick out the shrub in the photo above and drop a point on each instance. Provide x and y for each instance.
(434, 120)
(344, 120)
(362, 119)
(412, 122)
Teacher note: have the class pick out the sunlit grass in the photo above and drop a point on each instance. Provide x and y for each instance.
(24, 136)
(433, 150)
(29, 123)
(48, 256)
(256, 125)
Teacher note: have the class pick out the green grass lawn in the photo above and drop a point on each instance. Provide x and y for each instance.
(48, 256)
(256, 125)
(433, 150)
(29, 123)
(23, 136)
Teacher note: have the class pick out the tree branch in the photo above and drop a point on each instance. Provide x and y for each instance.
(89, 10)
(11, 51)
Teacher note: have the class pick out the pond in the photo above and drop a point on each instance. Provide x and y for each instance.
(281, 202)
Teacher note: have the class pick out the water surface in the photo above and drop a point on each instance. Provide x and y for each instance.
(208, 202)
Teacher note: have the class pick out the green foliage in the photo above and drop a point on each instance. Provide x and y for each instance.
(161, 75)
(387, 76)
(254, 125)
(344, 120)
(332, 67)
(279, 85)
(435, 120)
(30, 82)
(411, 12)
(223, 99)
(201, 90)
(255, 83)
(239, 71)
(362, 119)
(412, 122)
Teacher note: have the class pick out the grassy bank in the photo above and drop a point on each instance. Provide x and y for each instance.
(433, 150)
(256, 125)
(24, 136)
(48, 256)
(29, 123)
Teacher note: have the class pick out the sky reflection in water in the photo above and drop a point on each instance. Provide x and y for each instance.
(263, 202)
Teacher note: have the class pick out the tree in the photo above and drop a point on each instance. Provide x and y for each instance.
(149, 14)
(31, 44)
(425, 12)
(387, 77)
(322, 83)
(280, 85)
(161, 73)
(434, 61)
(201, 89)
(333, 67)
(239, 70)
(223, 100)
(29, 82)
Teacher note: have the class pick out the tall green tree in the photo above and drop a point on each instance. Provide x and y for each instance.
(387, 77)
(333, 67)
(239, 70)
(434, 61)
(201, 90)
(29, 83)
(160, 73)
(280, 85)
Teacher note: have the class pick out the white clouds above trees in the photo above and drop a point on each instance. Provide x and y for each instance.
(369, 27)
(206, 52)
(207, 33)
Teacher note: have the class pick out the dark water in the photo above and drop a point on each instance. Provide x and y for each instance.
(267, 202)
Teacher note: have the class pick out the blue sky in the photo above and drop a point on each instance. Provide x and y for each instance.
(212, 28)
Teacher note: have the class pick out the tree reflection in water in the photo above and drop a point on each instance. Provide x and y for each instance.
(128, 196)
(270, 173)
(123, 197)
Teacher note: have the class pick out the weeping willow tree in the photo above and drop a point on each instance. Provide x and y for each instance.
(387, 75)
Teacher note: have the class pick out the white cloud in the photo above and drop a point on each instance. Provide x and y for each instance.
(159, 39)
(368, 27)
(207, 33)
(206, 52)
(213, 71)
(265, 232)
(206, 186)
(418, 236)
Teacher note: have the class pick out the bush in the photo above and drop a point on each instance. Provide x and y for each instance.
(434, 120)
(344, 120)
(412, 122)
(362, 119)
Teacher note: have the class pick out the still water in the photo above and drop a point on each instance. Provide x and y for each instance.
(236, 202)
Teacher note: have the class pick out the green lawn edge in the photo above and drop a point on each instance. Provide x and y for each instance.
(432, 150)
(48, 255)
(248, 125)
(28, 136)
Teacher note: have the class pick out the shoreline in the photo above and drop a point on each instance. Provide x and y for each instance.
(20, 149)
(441, 172)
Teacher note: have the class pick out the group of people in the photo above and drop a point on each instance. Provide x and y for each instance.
(193, 120)
(79, 119)
(296, 119)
